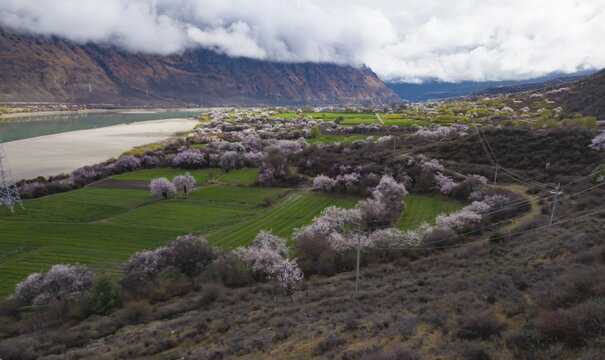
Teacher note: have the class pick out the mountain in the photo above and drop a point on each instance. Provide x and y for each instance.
(50, 69)
(507, 89)
(586, 96)
(434, 89)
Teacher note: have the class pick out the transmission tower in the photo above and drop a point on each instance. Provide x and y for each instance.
(9, 195)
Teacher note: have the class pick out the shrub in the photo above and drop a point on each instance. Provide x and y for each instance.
(397, 352)
(104, 295)
(136, 312)
(574, 325)
(328, 344)
(230, 270)
(479, 324)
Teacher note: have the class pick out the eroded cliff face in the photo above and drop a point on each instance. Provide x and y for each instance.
(35, 68)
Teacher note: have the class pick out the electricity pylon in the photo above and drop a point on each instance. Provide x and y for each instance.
(9, 195)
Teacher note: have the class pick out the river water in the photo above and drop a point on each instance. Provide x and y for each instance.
(24, 127)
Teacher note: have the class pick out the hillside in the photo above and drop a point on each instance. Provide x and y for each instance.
(587, 96)
(50, 69)
(435, 89)
(515, 88)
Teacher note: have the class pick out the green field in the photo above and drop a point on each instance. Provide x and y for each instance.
(295, 210)
(78, 206)
(29, 247)
(187, 215)
(252, 195)
(102, 228)
(420, 208)
(240, 177)
(201, 176)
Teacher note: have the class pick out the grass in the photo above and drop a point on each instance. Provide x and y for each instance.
(326, 139)
(252, 195)
(240, 177)
(420, 208)
(295, 210)
(34, 246)
(201, 176)
(84, 205)
(345, 139)
(187, 215)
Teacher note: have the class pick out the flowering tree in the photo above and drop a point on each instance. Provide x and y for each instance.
(274, 166)
(598, 143)
(287, 273)
(230, 160)
(60, 282)
(142, 266)
(390, 193)
(436, 132)
(431, 165)
(190, 254)
(184, 182)
(323, 182)
(445, 183)
(268, 256)
(190, 159)
(126, 163)
(477, 184)
(161, 186)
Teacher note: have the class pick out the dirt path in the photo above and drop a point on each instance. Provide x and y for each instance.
(533, 211)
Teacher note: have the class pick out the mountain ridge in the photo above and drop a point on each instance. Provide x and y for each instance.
(39, 68)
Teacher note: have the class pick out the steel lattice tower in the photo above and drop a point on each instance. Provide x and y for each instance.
(9, 195)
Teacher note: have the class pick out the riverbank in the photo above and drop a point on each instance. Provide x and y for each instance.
(92, 111)
(61, 153)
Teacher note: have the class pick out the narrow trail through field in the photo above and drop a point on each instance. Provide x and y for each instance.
(534, 209)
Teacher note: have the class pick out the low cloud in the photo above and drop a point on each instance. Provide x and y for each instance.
(408, 40)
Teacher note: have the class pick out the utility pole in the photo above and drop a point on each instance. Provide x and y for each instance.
(9, 194)
(496, 175)
(556, 193)
(358, 251)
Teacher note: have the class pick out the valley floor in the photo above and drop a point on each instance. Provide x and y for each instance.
(60, 153)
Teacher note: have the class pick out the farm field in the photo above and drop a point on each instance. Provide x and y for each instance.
(252, 195)
(420, 208)
(201, 176)
(345, 139)
(102, 227)
(240, 177)
(187, 215)
(294, 210)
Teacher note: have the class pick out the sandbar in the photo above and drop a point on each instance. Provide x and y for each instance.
(62, 153)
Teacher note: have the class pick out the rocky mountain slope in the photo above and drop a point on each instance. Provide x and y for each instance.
(586, 96)
(50, 69)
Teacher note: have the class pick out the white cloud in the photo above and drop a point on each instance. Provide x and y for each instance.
(400, 40)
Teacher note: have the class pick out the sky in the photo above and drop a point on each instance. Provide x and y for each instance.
(401, 40)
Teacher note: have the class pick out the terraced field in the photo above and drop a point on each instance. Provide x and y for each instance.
(201, 176)
(251, 195)
(187, 215)
(34, 246)
(240, 177)
(102, 227)
(419, 208)
(294, 210)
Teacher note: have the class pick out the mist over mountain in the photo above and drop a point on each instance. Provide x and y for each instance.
(435, 89)
(52, 69)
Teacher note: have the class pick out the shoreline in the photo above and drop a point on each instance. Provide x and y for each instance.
(118, 111)
(51, 155)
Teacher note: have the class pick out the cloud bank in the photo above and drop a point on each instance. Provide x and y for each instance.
(408, 40)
